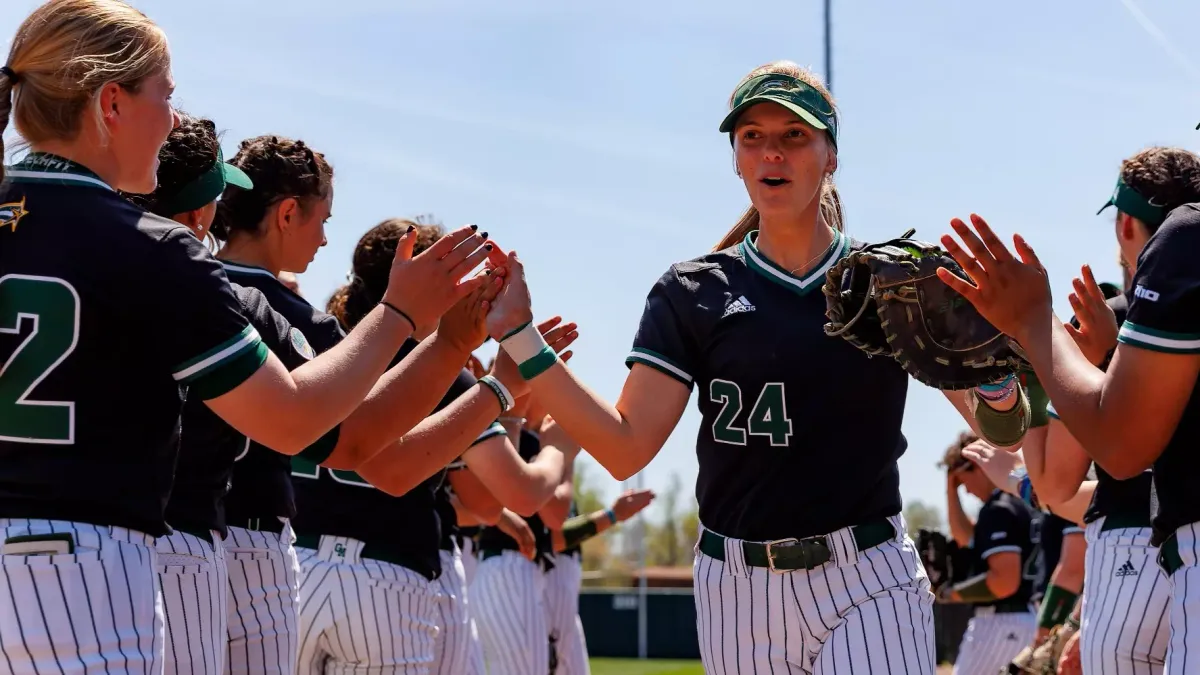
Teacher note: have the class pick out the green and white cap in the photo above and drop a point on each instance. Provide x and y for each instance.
(790, 92)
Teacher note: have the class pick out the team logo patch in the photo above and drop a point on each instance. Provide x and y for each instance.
(11, 213)
(339, 550)
(300, 343)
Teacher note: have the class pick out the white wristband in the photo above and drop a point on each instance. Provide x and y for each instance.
(501, 391)
(529, 350)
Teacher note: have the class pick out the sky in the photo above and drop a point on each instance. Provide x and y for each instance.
(584, 135)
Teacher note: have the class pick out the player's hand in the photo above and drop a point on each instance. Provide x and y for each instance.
(556, 334)
(516, 527)
(552, 434)
(426, 286)
(1068, 661)
(1012, 294)
(1097, 332)
(475, 366)
(465, 326)
(996, 464)
(631, 503)
(513, 308)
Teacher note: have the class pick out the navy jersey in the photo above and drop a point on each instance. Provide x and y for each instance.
(109, 317)
(1048, 535)
(406, 529)
(1006, 525)
(492, 538)
(1164, 315)
(1128, 500)
(262, 490)
(785, 448)
(209, 447)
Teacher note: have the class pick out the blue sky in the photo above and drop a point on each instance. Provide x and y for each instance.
(584, 134)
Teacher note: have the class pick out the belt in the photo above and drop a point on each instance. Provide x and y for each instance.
(542, 559)
(313, 541)
(1168, 555)
(787, 555)
(1125, 520)
(268, 524)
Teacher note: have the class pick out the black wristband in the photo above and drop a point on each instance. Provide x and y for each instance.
(401, 312)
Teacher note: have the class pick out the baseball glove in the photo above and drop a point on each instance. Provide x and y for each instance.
(886, 299)
(1042, 660)
(934, 549)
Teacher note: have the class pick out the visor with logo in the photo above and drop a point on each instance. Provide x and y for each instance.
(206, 187)
(795, 95)
(1127, 200)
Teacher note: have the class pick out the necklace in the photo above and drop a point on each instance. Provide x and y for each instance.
(795, 270)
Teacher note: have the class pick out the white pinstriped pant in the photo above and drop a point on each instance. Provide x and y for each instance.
(360, 615)
(1183, 651)
(1126, 603)
(456, 649)
(508, 593)
(868, 612)
(96, 610)
(992, 641)
(562, 615)
(264, 593)
(195, 588)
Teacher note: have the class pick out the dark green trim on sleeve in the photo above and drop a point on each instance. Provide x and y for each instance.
(494, 429)
(230, 374)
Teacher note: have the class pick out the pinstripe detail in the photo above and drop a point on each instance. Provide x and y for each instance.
(97, 610)
(509, 594)
(262, 602)
(563, 583)
(361, 615)
(195, 588)
(456, 648)
(992, 641)
(865, 612)
(1185, 601)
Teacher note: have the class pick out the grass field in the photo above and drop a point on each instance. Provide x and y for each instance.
(649, 667)
(666, 667)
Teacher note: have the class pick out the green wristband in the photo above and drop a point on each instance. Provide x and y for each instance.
(578, 530)
(538, 364)
(1002, 428)
(1056, 607)
(1038, 400)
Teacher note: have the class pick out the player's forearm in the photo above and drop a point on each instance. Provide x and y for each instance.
(465, 517)
(1065, 464)
(404, 396)
(961, 526)
(557, 509)
(520, 486)
(433, 443)
(292, 410)
(593, 422)
(1076, 388)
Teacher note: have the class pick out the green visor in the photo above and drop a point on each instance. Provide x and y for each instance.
(1128, 200)
(205, 188)
(789, 92)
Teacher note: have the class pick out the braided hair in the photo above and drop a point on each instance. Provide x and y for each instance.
(190, 150)
(372, 266)
(280, 168)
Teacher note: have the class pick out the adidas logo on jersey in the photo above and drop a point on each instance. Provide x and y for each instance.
(1127, 570)
(740, 304)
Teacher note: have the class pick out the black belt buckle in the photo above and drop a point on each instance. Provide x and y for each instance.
(813, 552)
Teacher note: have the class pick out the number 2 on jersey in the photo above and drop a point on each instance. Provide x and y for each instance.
(53, 306)
(767, 418)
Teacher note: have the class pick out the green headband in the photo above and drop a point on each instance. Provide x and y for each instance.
(1128, 200)
(205, 188)
(794, 94)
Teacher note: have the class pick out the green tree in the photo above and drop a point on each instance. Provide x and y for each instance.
(919, 515)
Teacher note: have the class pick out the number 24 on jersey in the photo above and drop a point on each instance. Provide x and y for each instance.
(768, 416)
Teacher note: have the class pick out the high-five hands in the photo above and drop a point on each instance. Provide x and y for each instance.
(1014, 295)
(1097, 332)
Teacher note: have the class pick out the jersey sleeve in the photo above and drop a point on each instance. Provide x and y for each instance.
(208, 342)
(998, 530)
(1164, 306)
(663, 341)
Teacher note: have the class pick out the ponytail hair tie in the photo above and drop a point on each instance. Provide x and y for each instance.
(10, 74)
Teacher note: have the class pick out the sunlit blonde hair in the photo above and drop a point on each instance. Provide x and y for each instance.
(63, 53)
(831, 202)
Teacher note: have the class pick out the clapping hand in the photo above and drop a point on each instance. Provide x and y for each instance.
(1096, 335)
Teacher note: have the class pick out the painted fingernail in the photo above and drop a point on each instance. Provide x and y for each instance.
(474, 228)
(411, 228)
(489, 247)
(484, 235)
(487, 273)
